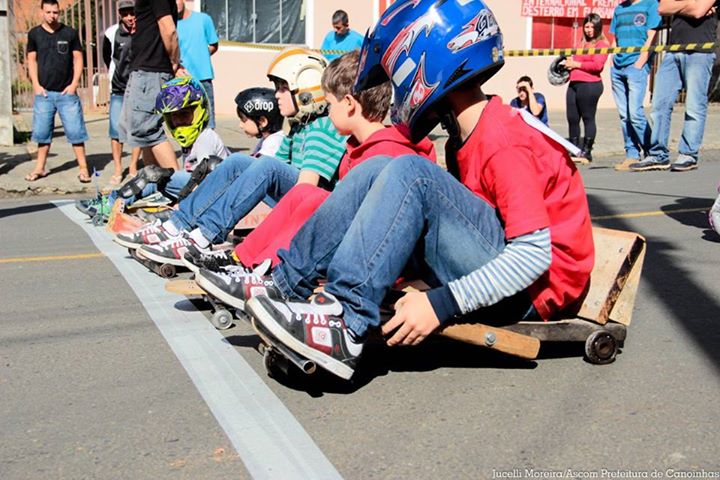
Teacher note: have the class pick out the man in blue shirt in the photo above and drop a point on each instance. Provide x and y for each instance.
(341, 38)
(198, 41)
(634, 24)
(529, 99)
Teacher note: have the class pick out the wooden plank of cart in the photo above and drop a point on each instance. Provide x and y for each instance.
(601, 322)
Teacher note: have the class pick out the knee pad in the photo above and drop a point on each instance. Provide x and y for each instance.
(202, 170)
(149, 174)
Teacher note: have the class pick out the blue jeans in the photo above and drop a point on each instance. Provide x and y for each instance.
(628, 86)
(208, 86)
(380, 215)
(116, 103)
(678, 69)
(234, 188)
(71, 115)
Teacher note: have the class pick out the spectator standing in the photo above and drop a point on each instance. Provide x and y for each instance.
(585, 87)
(198, 42)
(116, 55)
(694, 21)
(634, 24)
(341, 38)
(55, 63)
(154, 59)
(529, 99)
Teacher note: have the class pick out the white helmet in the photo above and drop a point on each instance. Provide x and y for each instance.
(302, 70)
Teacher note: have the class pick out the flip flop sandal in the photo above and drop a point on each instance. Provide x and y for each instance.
(34, 176)
(116, 180)
(84, 178)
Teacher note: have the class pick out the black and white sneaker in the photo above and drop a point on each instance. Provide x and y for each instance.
(235, 285)
(214, 260)
(150, 234)
(172, 250)
(314, 329)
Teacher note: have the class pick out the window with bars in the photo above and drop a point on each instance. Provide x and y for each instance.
(258, 21)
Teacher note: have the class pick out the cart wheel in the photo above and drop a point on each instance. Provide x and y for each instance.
(167, 270)
(222, 319)
(271, 361)
(601, 347)
(99, 220)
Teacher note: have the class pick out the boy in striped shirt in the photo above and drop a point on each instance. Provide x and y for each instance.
(310, 154)
(510, 241)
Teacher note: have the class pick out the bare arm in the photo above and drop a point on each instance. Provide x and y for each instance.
(213, 48)
(308, 176)
(686, 8)
(169, 37)
(33, 72)
(535, 107)
(642, 60)
(78, 65)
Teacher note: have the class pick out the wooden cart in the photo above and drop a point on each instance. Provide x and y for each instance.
(601, 322)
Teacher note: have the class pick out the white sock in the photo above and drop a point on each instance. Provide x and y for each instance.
(199, 239)
(170, 228)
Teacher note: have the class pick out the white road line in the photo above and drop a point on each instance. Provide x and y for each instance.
(268, 438)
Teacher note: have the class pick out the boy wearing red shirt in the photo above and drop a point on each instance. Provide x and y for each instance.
(512, 242)
(359, 116)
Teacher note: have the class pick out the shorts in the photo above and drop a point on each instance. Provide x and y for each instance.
(139, 125)
(116, 104)
(71, 116)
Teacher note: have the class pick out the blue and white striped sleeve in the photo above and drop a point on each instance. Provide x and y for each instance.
(524, 260)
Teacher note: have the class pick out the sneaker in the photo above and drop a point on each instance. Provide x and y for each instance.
(236, 285)
(714, 215)
(683, 163)
(624, 166)
(314, 329)
(88, 205)
(650, 163)
(172, 250)
(214, 260)
(150, 234)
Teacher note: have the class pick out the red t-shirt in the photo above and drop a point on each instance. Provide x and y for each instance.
(294, 209)
(531, 181)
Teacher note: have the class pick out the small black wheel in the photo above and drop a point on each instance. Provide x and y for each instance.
(99, 220)
(167, 270)
(222, 319)
(270, 360)
(601, 347)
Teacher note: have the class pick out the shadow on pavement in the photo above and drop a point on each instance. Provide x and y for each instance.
(38, 207)
(690, 304)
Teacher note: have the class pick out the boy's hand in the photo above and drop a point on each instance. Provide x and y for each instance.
(38, 90)
(70, 89)
(524, 86)
(414, 319)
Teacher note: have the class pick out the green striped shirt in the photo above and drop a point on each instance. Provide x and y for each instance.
(317, 147)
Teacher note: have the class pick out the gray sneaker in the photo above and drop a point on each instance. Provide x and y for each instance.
(650, 163)
(684, 163)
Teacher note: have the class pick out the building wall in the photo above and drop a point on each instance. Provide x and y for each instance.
(237, 68)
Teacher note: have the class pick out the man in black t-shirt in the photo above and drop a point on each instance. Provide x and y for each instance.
(694, 21)
(154, 59)
(55, 63)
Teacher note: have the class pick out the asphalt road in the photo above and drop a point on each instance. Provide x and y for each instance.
(102, 377)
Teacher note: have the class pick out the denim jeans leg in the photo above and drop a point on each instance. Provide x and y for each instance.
(667, 87)
(697, 72)
(265, 176)
(637, 85)
(176, 183)
(210, 190)
(70, 111)
(412, 199)
(43, 119)
(620, 94)
(314, 245)
(208, 85)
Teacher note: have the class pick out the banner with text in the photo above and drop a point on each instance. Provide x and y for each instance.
(568, 8)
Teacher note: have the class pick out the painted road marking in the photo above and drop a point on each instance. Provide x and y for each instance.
(52, 258)
(268, 438)
(654, 213)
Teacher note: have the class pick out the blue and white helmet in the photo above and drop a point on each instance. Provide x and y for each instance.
(428, 48)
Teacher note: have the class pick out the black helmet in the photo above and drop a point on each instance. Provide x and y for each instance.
(260, 102)
(558, 74)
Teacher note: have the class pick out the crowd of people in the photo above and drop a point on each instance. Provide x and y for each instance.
(503, 232)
